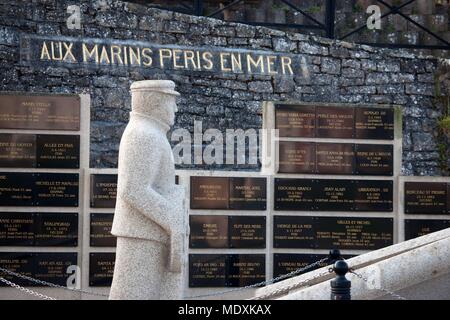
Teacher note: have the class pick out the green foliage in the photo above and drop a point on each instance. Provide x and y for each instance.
(444, 123)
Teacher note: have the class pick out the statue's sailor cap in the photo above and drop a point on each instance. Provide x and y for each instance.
(164, 86)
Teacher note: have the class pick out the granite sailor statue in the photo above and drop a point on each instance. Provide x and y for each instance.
(149, 219)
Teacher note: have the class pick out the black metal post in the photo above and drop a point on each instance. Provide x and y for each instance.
(340, 286)
(330, 11)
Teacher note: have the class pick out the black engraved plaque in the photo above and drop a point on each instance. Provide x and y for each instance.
(18, 262)
(247, 231)
(40, 112)
(16, 189)
(56, 189)
(208, 231)
(209, 193)
(100, 230)
(284, 263)
(245, 269)
(335, 158)
(335, 122)
(207, 270)
(295, 121)
(374, 160)
(334, 195)
(56, 229)
(17, 150)
(374, 123)
(418, 228)
(294, 194)
(101, 268)
(103, 190)
(52, 267)
(293, 232)
(248, 193)
(297, 157)
(353, 233)
(58, 151)
(16, 229)
(374, 195)
(425, 198)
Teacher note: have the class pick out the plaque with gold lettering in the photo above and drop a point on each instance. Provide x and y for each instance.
(374, 195)
(295, 121)
(16, 229)
(18, 262)
(421, 227)
(58, 151)
(17, 150)
(52, 112)
(335, 122)
(52, 267)
(295, 194)
(208, 231)
(335, 158)
(284, 263)
(245, 269)
(334, 195)
(103, 190)
(247, 231)
(248, 193)
(374, 160)
(101, 268)
(16, 189)
(56, 229)
(353, 233)
(207, 270)
(374, 123)
(56, 189)
(297, 157)
(210, 193)
(425, 198)
(293, 232)
(100, 230)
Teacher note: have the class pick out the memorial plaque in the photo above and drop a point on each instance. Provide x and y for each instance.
(56, 189)
(16, 229)
(58, 151)
(293, 232)
(101, 268)
(103, 190)
(56, 229)
(374, 195)
(425, 197)
(295, 121)
(294, 194)
(353, 233)
(418, 228)
(100, 231)
(335, 158)
(245, 269)
(17, 150)
(18, 262)
(375, 160)
(297, 157)
(40, 112)
(335, 122)
(208, 231)
(207, 270)
(284, 263)
(247, 232)
(448, 197)
(16, 189)
(52, 267)
(248, 193)
(209, 193)
(374, 123)
(334, 195)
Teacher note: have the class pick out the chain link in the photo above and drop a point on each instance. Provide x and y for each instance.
(395, 295)
(49, 284)
(26, 290)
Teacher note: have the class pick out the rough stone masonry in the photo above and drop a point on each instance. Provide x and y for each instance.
(339, 73)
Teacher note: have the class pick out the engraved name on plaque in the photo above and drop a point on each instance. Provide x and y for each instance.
(375, 160)
(425, 198)
(335, 122)
(208, 231)
(294, 194)
(374, 123)
(56, 189)
(16, 229)
(295, 121)
(247, 232)
(58, 151)
(334, 195)
(245, 269)
(247, 193)
(209, 193)
(17, 150)
(52, 267)
(297, 157)
(374, 195)
(101, 268)
(207, 270)
(103, 190)
(421, 227)
(18, 262)
(293, 232)
(56, 229)
(16, 189)
(335, 158)
(100, 230)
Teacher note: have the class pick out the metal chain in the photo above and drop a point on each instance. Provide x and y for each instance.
(263, 283)
(395, 295)
(49, 284)
(30, 292)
